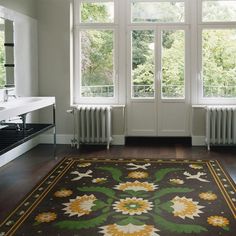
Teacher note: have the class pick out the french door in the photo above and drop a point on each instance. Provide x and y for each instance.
(158, 84)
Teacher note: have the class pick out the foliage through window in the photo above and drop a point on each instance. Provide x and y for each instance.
(152, 55)
(158, 52)
(97, 49)
(165, 11)
(215, 11)
(173, 64)
(218, 49)
(219, 62)
(97, 74)
(143, 63)
(97, 12)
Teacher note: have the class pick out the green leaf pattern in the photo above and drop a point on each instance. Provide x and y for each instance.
(160, 198)
(82, 224)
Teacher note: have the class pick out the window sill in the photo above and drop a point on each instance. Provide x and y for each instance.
(206, 105)
(75, 105)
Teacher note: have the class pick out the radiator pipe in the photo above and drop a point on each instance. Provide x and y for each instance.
(74, 141)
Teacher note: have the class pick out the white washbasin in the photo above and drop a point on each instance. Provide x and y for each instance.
(20, 101)
(23, 105)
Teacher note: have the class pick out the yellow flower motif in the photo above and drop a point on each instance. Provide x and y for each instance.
(132, 206)
(138, 174)
(136, 186)
(177, 181)
(218, 221)
(80, 206)
(99, 180)
(84, 164)
(196, 166)
(46, 217)
(63, 193)
(208, 196)
(185, 207)
(129, 230)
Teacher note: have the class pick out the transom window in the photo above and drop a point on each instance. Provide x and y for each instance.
(218, 11)
(97, 12)
(157, 11)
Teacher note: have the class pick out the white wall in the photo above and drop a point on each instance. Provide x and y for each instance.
(26, 56)
(198, 126)
(54, 58)
(26, 7)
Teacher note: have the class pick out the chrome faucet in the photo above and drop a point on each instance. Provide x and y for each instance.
(6, 94)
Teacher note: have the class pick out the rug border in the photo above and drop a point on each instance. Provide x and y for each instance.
(222, 188)
(82, 159)
(35, 188)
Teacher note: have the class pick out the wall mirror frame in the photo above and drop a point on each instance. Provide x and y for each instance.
(7, 78)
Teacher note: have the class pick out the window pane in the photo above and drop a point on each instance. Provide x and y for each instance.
(2, 55)
(97, 63)
(219, 63)
(158, 12)
(218, 11)
(173, 60)
(143, 63)
(102, 12)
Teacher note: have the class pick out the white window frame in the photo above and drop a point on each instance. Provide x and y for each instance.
(129, 14)
(77, 28)
(157, 28)
(201, 26)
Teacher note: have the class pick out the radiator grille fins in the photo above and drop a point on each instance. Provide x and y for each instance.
(220, 125)
(94, 124)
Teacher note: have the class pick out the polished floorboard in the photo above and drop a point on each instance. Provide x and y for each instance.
(18, 177)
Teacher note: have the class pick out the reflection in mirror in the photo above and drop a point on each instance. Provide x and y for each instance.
(6, 53)
(2, 54)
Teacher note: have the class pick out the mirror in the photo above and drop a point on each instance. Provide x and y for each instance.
(6, 53)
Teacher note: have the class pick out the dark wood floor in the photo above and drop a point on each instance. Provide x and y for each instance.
(18, 177)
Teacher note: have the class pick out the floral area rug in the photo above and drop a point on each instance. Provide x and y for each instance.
(128, 198)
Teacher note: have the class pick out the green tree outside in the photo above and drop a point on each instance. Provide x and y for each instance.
(218, 54)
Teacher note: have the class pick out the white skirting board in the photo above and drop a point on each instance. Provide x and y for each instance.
(66, 139)
(198, 141)
(17, 151)
(118, 140)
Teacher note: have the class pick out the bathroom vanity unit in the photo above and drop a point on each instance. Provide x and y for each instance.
(18, 79)
(14, 134)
